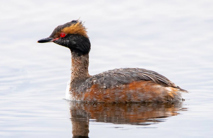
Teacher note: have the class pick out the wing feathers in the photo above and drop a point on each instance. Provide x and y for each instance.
(113, 78)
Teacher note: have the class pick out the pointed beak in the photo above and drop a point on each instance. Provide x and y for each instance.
(44, 40)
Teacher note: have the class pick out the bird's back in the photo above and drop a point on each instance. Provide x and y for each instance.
(128, 85)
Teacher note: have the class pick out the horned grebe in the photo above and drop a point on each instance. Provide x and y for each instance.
(113, 86)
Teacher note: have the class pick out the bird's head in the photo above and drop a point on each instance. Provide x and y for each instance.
(72, 35)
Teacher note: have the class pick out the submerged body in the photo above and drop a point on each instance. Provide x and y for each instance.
(113, 86)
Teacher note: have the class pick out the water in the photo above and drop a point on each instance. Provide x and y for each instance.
(173, 38)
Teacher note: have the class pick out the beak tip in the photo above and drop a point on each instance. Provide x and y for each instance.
(48, 39)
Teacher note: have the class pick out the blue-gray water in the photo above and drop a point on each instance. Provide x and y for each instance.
(173, 38)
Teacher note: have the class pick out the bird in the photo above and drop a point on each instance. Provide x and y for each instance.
(123, 85)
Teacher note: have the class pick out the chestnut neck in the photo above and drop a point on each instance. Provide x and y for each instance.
(79, 69)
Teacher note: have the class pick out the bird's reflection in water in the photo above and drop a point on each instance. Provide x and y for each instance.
(135, 114)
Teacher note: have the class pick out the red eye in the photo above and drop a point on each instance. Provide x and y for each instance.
(62, 35)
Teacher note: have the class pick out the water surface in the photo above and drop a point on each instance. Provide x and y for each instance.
(173, 38)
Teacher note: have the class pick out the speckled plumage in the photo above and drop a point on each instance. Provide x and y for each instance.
(127, 85)
(113, 86)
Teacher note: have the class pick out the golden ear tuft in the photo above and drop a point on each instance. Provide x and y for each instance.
(76, 28)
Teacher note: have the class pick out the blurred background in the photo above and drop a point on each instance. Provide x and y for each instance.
(173, 38)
